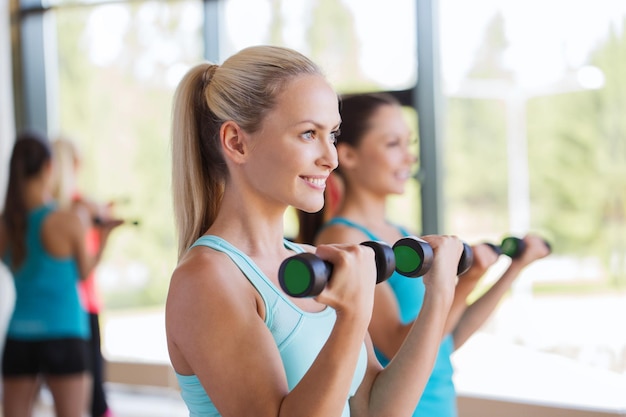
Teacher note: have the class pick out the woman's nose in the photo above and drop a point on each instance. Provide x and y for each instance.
(329, 155)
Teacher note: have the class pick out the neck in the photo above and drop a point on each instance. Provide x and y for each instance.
(36, 195)
(252, 226)
(364, 208)
(370, 212)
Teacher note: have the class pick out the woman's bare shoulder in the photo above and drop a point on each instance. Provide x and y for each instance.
(206, 273)
(64, 220)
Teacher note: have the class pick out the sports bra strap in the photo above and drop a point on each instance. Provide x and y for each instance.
(268, 291)
(366, 232)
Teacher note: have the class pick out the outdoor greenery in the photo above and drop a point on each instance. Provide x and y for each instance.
(576, 154)
(118, 110)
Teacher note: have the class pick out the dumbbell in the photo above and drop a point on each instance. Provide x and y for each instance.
(414, 257)
(306, 274)
(512, 246)
(99, 221)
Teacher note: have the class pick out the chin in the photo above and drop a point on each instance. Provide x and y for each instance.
(310, 208)
(398, 190)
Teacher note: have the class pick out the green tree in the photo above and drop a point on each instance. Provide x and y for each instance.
(578, 149)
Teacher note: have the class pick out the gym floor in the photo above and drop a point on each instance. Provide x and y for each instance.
(129, 401)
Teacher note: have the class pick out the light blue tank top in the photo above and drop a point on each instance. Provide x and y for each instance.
(299, 335)
(47, 303)
(439, 397)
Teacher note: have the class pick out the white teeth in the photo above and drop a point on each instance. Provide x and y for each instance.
(320, 182)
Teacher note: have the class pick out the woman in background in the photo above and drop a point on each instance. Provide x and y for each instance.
(67, 164)
(375, 162)
(44, 248)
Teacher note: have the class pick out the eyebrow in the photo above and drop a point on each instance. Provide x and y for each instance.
(317, 125)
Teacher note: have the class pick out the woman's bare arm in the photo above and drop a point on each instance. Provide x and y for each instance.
(216, 331)
(396, 389)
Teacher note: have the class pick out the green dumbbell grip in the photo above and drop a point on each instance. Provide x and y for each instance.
(306, 274)
(414, 256)
(513, 247)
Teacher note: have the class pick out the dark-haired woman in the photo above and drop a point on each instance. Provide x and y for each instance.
(44, 249)
(375, 163)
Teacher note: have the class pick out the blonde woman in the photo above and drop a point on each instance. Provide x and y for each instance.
(65, 191)
(252, 137)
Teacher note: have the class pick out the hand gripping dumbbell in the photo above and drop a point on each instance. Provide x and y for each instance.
(306, 274)
(512, 246)
(414, 257)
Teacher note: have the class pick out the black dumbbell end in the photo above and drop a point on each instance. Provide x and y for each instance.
(414, 256)
(385, 259)
(548, 245)
(304, 275)
(495, 248)
(466, 260)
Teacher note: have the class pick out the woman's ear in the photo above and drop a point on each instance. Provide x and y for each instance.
(347, 156)
(233, 140)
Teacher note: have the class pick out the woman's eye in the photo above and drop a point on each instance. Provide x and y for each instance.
(334, 135)
(308, 135)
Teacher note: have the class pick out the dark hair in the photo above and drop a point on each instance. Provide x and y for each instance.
(309, 224)
(356, 111)
(31, 152)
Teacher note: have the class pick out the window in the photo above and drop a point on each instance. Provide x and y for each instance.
(117, 65)
(349, 39)
(534, 143)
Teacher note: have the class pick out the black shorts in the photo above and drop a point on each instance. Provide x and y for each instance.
(49, 357)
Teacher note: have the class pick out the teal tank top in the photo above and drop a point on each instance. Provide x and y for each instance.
(439, 397)
(47, 303)
(299, 335)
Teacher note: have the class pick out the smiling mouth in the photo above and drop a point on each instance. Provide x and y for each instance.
(405, 175)
(318, 182)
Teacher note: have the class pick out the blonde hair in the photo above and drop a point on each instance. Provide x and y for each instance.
(243, 89)
(65, 157)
